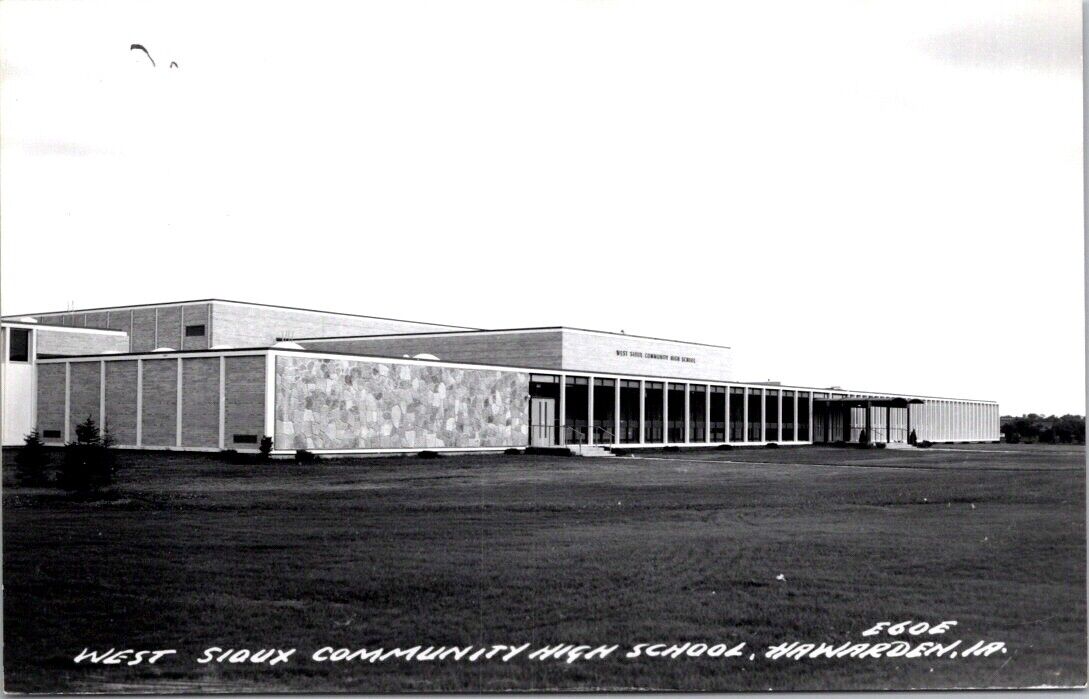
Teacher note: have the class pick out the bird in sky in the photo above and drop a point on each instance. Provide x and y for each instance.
(140, 47)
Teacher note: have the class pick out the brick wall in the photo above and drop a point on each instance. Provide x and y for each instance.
(97, 319)
(245, 400)
(160, 402)
(51, 400)
(121, 401)
(540, 349)
(61, 342)
(120, 320)
(199, 314)
(200, 402)
(84, 394)
(143, 330)
(169, 329)
(259, 326)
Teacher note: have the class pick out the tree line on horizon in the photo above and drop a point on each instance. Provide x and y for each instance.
(1050, 429)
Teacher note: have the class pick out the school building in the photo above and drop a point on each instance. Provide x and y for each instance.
(211, 374)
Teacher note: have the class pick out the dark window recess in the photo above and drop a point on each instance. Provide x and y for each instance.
(51, 434)
(245, 439)
(194, 331)
(19, 345)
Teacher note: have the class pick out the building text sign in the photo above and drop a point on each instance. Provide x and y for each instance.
(652, 355)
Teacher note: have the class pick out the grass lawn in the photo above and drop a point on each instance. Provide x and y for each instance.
(187, 553)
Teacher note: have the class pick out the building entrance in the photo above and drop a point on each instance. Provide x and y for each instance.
(542, 420)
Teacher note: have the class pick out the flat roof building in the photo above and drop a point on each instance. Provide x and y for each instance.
(210, 374)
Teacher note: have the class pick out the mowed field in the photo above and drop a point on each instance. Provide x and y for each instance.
(187, 553)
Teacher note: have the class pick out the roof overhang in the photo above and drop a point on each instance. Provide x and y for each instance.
(883, 402)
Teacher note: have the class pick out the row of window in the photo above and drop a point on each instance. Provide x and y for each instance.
(763, 415)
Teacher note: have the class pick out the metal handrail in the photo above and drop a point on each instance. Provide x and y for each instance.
(612, 437)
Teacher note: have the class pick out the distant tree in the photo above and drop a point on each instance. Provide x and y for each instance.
(31, 461)
(89, 461)
(1033, 427)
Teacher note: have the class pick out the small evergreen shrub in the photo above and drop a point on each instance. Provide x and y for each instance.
(925, 444)
(302, 456)
(725, 446)
(863, 437)
(89, 461)
(912, 439)
(671, 448)
(266, 448)
(879, 445)
(31, 461)
(621, 452)
(428, 454)
(512, 451)
(771, 445)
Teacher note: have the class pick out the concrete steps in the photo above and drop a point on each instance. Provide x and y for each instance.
(587, 450)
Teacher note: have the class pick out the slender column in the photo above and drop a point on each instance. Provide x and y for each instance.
(726, 416)
(665, 412)
(888, 425)
(270, 396)
(178, 412)
(869, 423)
(222, 401)
(707, 415)
(687, 412)
(616, 412)
(562, 436)
(642, 411)
(812, 408)
(745, 414)
(907, 422)
(68, 401)
(589, 410)
(779, 417)
(764, 435)
(797, 397)
(139, 402)
(102, 395)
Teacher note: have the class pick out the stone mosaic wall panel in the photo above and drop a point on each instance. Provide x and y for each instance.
(346, 404)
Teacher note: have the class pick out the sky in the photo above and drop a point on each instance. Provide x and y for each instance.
(883, 196)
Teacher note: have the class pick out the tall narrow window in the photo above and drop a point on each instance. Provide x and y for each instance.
(629, 411)
(718, 413)
(18, 345)
(652, 412)
(788, 416)
(803, 416)
(737, 414)
(771, 416)
(755, 414)
(676, 413)
(697, 412)
(577, 404)
(604, 411)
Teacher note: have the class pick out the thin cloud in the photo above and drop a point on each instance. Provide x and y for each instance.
(67, 149)
(1043, 39)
